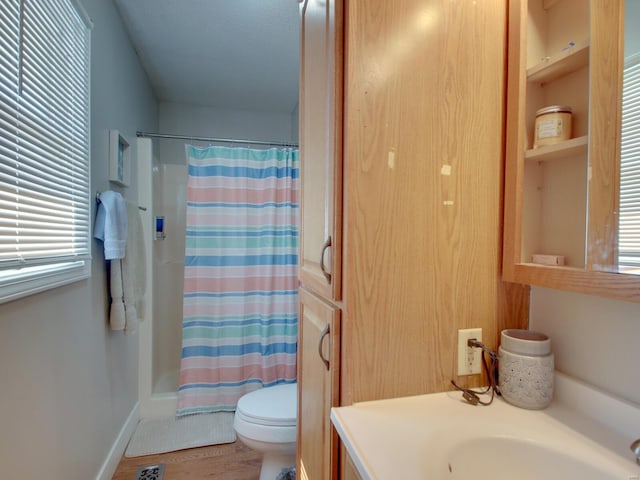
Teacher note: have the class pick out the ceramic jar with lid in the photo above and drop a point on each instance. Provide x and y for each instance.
(525, 368)
(553, 125)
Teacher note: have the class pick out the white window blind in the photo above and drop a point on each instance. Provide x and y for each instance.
(629, 217)
(44, 145)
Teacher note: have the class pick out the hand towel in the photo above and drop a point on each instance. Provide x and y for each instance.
(128, 273)
(130, 312)
(134, 271)
(117, 318)
(111, 224)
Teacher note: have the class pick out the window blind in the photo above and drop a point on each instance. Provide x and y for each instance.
(44, 135)
(629, 216)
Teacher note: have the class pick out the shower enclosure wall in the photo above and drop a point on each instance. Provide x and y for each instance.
(161, 337)
(169, 201)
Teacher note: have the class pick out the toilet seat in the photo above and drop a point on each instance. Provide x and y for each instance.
(271, 406)
(268, 414)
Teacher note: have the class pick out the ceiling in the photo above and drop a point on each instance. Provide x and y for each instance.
(232, 54)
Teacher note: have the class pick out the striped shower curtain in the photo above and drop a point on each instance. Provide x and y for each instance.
(240, 314)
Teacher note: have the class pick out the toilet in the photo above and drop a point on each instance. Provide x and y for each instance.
(265, 421)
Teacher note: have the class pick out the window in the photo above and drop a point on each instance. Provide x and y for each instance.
(44, 146)
(629, 227)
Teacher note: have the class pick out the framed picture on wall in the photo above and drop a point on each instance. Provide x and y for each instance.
(119, 158)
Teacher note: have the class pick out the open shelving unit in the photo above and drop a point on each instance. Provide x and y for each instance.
(563, 199)
(554, 214)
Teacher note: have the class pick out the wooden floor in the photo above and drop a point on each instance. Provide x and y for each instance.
(232, 461)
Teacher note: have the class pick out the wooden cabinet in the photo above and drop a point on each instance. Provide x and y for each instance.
(562, 199)
(424, 106)
(320, 263)
(350, 471)
(318, 379)
(321, 146)
(417, 194)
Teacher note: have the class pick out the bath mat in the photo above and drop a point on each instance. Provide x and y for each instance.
(161, 435)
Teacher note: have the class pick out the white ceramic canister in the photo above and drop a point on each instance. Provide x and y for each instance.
(553, 125)
(525, 368)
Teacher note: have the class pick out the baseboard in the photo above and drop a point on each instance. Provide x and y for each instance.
(119, 445)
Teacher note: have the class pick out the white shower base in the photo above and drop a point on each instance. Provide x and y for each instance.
(160, 405)
(164, 397)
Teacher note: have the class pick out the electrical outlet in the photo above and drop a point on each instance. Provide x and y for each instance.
(469, 358)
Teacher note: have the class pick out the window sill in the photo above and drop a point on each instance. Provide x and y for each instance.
(15, 284)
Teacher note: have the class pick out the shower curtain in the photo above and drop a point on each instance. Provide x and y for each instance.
(240, 313)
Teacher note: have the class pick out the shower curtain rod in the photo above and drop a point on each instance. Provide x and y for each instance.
(213, 139)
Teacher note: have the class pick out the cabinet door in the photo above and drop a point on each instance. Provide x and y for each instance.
(318, 376)
(321, 146)
(350, 472)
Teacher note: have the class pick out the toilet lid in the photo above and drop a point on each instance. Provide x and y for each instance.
(270, 405)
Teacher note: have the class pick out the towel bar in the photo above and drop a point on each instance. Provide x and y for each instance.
(144, 209)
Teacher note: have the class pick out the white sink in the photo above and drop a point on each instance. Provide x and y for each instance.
(440, 436)
(511, 457)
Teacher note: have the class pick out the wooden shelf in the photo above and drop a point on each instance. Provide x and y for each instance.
(568, 148)
(561, 64)
(555, 267)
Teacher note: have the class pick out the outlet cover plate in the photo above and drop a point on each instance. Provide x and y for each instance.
(469, 358)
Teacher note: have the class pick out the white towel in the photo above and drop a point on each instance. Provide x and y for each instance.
(111, 224)
(117, 316)
(130, 312)
(128, 278)
(134, 271)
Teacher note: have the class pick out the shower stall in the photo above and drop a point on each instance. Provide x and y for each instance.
(162, 184)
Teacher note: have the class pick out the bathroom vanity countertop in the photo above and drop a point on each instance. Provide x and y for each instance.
(441, 436)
